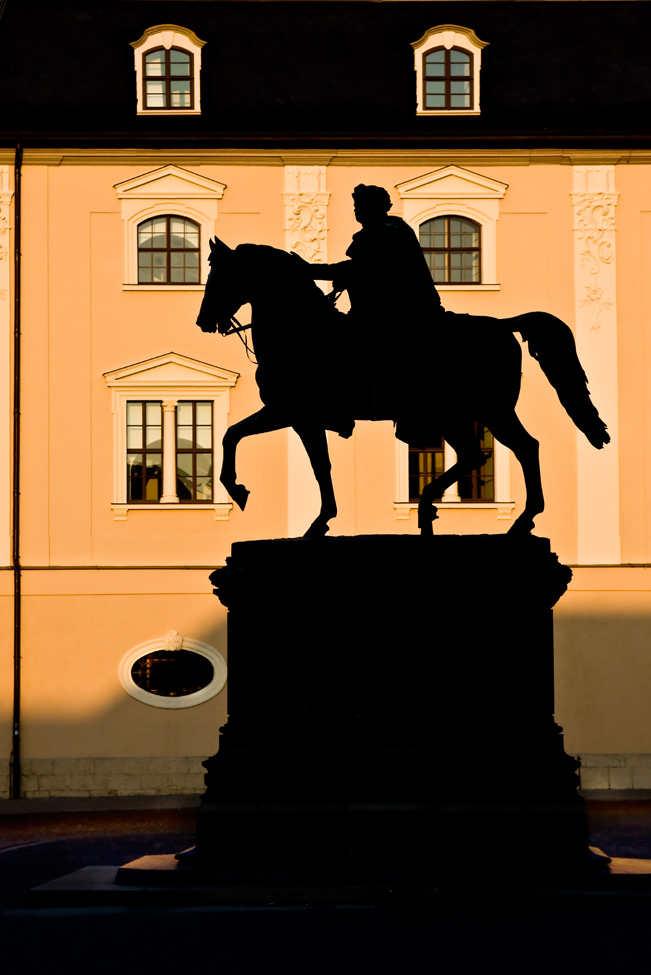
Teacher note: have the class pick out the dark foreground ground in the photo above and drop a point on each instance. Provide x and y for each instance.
(464, 934)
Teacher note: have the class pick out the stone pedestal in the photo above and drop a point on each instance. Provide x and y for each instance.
(391, 708)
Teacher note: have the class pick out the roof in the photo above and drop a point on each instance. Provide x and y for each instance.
(336, 74)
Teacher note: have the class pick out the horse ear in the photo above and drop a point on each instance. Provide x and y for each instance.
(218, 249)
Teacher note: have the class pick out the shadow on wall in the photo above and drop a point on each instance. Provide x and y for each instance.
(123, 747)
(603, 674)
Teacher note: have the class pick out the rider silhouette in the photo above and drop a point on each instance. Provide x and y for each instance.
(389, 285)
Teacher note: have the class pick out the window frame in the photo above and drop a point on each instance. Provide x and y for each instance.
(454, 250)
(448, 79)
(217, 684)
(167, 77)
(168, 249)
(144, 450)
(195, 450)
(168, 36)
(448, 36)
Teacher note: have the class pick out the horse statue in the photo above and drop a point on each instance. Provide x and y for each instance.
(298, 334)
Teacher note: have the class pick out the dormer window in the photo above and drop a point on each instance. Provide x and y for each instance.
(168, 69)
(448, 78)
(447, 62)
(168, 78)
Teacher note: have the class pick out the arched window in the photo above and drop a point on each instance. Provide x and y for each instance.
(167, 78)
(168, 251)
(447, 78)
(452, 249)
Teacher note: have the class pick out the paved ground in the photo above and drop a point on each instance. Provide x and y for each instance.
(463, 936)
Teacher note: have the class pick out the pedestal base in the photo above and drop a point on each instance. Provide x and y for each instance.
(391, 706)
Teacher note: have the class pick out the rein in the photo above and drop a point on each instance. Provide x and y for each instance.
(237, 329)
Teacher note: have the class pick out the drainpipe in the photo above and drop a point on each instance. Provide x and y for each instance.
(14, 791)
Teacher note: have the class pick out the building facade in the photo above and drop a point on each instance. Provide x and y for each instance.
(526, 177)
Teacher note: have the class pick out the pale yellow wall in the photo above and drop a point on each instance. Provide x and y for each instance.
(77, 627)
(78, 323)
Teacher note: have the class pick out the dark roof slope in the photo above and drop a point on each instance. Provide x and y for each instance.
(327, 73)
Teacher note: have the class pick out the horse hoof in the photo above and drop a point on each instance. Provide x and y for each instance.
(317, 529)
(521, 527)
(240, 495)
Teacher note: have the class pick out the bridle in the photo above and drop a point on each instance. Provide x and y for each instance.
(237, 328)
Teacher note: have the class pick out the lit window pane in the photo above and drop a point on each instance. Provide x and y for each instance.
(154, 437)
(191, 259)
(159, 260)
(155, 64)
(204, 464)
(180, 94)
(204, 437)
(459, 87)
(152, 491)
(204, 489)
(184, 414)
(184, 465)
(176, 260)
(155, 94)
(204, 413)
(159, 275)
(134, 465)
(134, 438)
(460, 101)
(457, 69)
(134, 412)
(144, 260)
(431, 70)
(434, 101)
(459, 57)
(184, 438)
(144, 275)
(154, 413)
(179, 63)
(192, 275)
(176, 274)
(435, 87)
(436, 57)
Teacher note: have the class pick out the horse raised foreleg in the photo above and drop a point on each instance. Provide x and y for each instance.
(510, 432)
(316, 444)
(264, 421)
(470, 456)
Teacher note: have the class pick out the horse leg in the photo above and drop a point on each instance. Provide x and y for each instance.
(264, 421)
(316, 445)
(470, 456)
(510, 432)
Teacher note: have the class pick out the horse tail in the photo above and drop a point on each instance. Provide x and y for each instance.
(551, 342)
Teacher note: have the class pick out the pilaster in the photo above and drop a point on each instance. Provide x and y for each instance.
(594, 201)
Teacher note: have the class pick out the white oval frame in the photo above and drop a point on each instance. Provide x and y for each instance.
(189, 700)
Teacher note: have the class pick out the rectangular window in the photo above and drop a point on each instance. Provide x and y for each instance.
(194, 436)
(144, 451)
(480, 485)
(425, 464)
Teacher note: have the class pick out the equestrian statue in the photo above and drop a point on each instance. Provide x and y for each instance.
(397, 355)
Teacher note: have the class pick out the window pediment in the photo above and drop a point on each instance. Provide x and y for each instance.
(171, 372)
(452, 182)
(170, 183)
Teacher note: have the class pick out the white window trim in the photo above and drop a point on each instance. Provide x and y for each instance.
(502, 457)
(190, 700)
(194, 381)
(447, 36)
(168, 190)
(167, 36)
(458, 192)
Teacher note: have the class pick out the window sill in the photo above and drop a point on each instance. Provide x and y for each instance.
(448, 111)
(163, 287)
(468, 287)
(403, 509)
(168, 111)
(221, 509)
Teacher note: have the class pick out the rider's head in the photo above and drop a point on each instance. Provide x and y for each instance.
(372, 203)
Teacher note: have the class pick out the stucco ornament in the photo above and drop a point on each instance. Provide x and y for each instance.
(594, 226)
(306, 212)
(3, 253)
(173, 641)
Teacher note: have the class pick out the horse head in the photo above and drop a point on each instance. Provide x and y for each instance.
(222, 296)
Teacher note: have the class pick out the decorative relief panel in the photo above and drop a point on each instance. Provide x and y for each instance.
(306, 214)
(594, 201)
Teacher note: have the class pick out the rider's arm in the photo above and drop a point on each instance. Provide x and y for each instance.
(329, 272)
